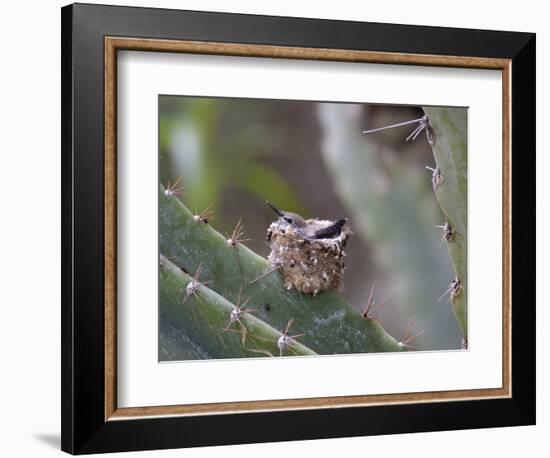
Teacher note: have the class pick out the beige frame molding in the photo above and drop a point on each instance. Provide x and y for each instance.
(114, 44)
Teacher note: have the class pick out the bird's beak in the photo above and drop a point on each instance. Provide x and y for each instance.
(275, 209)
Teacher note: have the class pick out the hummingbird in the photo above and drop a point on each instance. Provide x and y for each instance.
(309, 229)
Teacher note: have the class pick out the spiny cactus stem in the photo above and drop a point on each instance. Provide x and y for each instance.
(209, 331)
(332, 325)
(450, 150)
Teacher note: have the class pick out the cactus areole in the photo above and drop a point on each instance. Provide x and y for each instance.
(309, 264)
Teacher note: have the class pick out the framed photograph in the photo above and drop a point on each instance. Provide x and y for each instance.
(271, 222)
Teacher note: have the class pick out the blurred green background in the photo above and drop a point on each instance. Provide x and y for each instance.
(312, 158)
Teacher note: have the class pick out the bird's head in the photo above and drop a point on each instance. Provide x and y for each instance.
(290, 218)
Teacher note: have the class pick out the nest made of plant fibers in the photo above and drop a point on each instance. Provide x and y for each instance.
(309, 265)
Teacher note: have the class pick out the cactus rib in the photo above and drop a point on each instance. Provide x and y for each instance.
(204, 319)
(449, 148)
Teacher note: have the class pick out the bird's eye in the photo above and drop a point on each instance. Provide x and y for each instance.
(288, 220)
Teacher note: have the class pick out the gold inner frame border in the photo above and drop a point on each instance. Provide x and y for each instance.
(114, 44)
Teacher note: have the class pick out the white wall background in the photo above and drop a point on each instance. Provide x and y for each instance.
(30, 226)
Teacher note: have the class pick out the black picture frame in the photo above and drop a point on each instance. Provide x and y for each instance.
(84, 427)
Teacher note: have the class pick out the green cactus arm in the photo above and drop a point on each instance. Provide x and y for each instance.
(450, 150)
(204, 318)
(331, 325)
(176, 345)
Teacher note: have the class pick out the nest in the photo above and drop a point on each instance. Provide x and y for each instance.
(309, 265)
